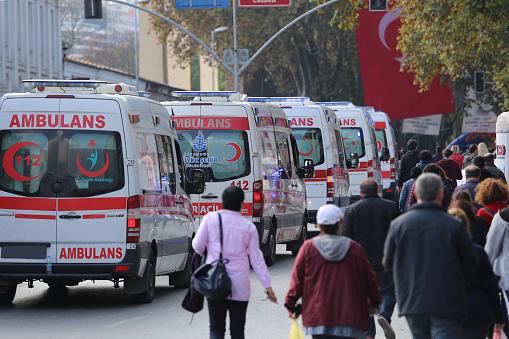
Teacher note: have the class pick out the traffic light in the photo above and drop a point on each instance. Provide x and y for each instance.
(378, 5)
(479, 84)
(93, 9)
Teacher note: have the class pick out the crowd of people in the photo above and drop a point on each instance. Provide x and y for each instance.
(441, 255)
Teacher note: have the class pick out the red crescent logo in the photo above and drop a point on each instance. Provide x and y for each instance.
(305, 154)
(238, 152)
(379, 145)
(93, 174)
(8, 161)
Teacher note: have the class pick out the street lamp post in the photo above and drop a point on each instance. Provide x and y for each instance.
(213, 45)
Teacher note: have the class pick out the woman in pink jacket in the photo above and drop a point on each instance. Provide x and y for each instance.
(240, 248)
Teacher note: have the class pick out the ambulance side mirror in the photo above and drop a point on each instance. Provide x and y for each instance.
(196, 181)
(308, 170)
(354, 160)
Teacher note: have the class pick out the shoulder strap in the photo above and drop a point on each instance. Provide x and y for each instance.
(488, 211)
(220, 235)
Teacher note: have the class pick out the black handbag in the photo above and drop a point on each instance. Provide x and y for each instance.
(193, 301)
(211, 280)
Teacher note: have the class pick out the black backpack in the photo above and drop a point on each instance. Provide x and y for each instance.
(211, 280)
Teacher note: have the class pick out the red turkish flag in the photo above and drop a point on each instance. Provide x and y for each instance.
(385, 87)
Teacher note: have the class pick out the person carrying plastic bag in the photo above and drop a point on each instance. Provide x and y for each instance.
(328, 258)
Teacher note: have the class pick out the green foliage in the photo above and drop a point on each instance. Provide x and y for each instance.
(313, 58)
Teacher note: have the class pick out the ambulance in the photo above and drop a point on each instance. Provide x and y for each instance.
(318, 136)
(92, 187)
(387, 148)
(250, 146)
(502, 129)
(358, 130)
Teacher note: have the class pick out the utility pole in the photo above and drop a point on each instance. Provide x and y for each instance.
(235, 49)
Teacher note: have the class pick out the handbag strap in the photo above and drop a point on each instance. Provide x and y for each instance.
(220, 236)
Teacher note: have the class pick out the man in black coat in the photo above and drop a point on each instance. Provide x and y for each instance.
(367, 222)
(408, 161)
(431, 258)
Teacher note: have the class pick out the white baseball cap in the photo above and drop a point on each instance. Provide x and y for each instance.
(329, 215)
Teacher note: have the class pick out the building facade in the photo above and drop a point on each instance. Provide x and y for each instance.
(30, 40)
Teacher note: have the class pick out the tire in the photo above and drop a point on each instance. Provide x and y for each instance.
(270, 257)
(182, 279)
(149, 278)
(7, 294)
(57, 286)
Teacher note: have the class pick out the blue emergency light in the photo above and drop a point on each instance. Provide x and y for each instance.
(335, 103)
(63, 83)
(278, 99)
(194, 94)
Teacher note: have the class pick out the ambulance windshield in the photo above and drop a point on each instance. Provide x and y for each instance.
(310, 144)
(353, 140)
(222, 154)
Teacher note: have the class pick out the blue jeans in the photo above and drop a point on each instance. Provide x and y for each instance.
(386, 311)
(432, 327)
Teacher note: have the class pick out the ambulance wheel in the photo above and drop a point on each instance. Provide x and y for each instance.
(57, 286)
(149, 280)
(270, 249)
(7, 294)
(181, 279)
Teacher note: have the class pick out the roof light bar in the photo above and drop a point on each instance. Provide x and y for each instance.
(79, 86)
(336, 103)
(63, 83)
(278, 99)
(194, 94)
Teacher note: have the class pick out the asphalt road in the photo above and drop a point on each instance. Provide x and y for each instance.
(100, 311)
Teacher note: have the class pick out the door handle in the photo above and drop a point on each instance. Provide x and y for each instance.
(209, 196)
(70, 216)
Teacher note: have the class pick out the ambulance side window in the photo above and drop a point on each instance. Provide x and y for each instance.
(148, 164)
(269, 157)
(341, 149)
(166, 163)
(284, 155)
(180, 166)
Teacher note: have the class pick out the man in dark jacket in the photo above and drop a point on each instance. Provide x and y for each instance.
(408, 161)
(480, 162)
(494, 170)
(472, 174)
(367, 222)
(431, 258)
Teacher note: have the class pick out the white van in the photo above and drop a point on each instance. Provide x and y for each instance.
(358, 130)
(502, 159)
(387, 148)
(318, 136)
(91, 189)
(248, 145)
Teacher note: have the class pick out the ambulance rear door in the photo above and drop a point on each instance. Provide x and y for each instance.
(27, 204)
(92, 207)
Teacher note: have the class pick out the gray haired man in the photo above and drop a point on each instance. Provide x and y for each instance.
(431, 258)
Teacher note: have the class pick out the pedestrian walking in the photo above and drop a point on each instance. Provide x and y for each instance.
(425, 158)
(451, 168)
(482, 149)
(494, 170)
(240, 250)
(438, 155)
(473, 176)
(480, 162)
(484, 308)
(492, 195)
(447, 196)
(468, 158)
(408, 161)
(478, 228)
(367, 222)
(335, 280)
(431, 258)
(404, 195)
(457, 156)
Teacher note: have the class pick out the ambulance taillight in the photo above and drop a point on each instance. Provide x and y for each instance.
(258, 198)
(393, 168)
(330, 184)
(133, 219)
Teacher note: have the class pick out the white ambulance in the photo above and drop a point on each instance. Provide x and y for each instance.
(318, 136)
(387, 148)
(502, 128)
(91, 188)
(358, 130)
(248, 145)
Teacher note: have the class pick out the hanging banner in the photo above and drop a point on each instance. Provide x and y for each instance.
(429, 125)
(385, 87)
(479, 116)
(201, 4)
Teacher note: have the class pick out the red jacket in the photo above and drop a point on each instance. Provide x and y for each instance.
(333, 293)
(488, 212)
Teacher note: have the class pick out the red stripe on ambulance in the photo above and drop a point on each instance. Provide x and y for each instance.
(213, 123)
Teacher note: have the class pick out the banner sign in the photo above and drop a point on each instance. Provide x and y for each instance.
(201, 4)
(429, 125)
(479, 116)
(386, 87)
(265, 3)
